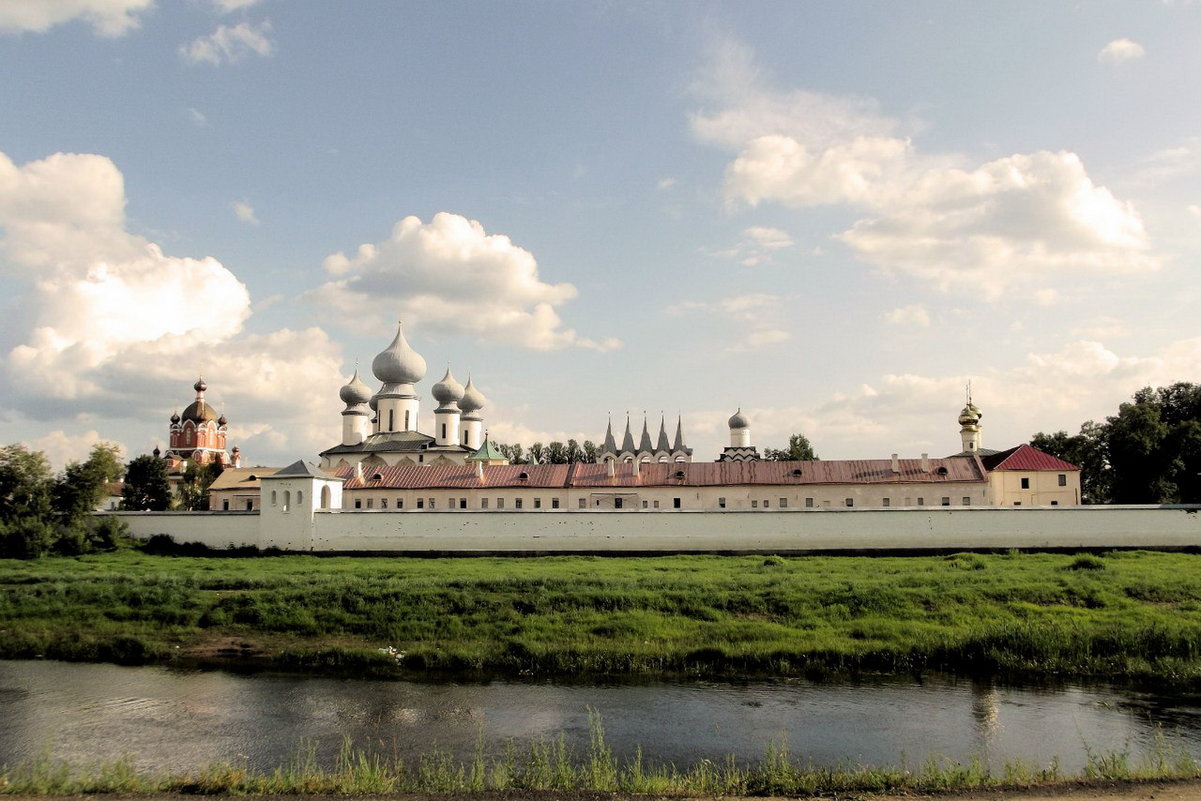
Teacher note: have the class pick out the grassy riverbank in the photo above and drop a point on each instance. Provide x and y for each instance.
(1128, 615)
(553, 766)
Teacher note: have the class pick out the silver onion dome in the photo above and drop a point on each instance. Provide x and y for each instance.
(355, 392)
(473, 400)
(448, 390)
(738, 420)
(398, 363)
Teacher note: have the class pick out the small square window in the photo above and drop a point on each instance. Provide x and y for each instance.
(537, 503)
(617, 503)
(766, 503)
(1017, 503)
(967, 500)
(431, 503)
(645, 504)
(400, 503)
(783, 503)
(358, 503)
(554, 503)
(1063, 479)
(483, 503)
(383, 503)
(421, 503)
(887, 502)
(225, 505)
(721, 503)
(850, 501)
(808, 503)
(583, 503)
(754, 504)
(675, 503)
(370, 502)
(500, 503)
(1055, 503)
(946, 500)
(921, 501)
(517, 503)
(1025, 483)
(656, 504)
(462, 503)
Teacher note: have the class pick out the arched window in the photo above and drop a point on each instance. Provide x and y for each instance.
(325, 498)
(273, 499)
(287, 499)
(391, 419)
(299, 497)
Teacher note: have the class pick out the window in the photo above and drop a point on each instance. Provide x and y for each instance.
(921, 501)
(1017, 503)
(500, 503)
(675, 503)
(462, 503)
(537, 503)
(392, 420)
(656, 504)
(287, 499)
(766, 503)
(583, 503)
(444, 431)
(1055, 503)
(967, 500)
(225, 505)
(721, 503)
(808, 503)
(754, 504)
(431, 503)
(358, 503)
(783, 503)
(946, 500)
(421, 503)
(407, 426)
(383, 503)
(645, 504)
(887, 502)
(273, 497)
(250, 506)
(483, 503)
(554, 503)
(517, 503)
(1063, 479)
(617, 503)
(850, 502)
(1025, 483)
(400, 503)
(370, 503)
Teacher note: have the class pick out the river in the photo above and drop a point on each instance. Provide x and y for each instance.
(171, 719)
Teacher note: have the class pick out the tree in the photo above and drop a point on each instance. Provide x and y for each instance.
(591, 451)
(514, 453)
(79, 489)
(146, 486)
(25, 484)
(537, 452)
(556, 453)
(194, 489)
(799, 450)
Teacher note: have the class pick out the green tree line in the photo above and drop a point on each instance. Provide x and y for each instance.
(1149, 452)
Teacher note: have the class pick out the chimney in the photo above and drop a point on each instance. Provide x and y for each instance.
(896, 464)
(479, 468)
(610, 469)
(637, 467)
(925, 463)
(237, 457)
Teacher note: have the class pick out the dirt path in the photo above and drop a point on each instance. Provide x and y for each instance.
(1140, 791)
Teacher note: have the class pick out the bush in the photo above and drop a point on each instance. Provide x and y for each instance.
(1086, 562)
(25, 538)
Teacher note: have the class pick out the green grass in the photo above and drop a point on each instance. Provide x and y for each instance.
(1117, 616)
(543, 765)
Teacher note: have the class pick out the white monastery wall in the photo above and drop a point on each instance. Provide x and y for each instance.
(775, 531)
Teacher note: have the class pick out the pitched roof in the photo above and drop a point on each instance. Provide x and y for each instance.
(674, 474)
(241, 477)
(1025, 457)
(299, 468)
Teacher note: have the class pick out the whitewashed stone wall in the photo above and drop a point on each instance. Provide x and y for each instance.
(781, 531)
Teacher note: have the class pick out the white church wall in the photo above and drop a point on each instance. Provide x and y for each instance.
(214, 529)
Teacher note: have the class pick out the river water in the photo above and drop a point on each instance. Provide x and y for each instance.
(172, 719)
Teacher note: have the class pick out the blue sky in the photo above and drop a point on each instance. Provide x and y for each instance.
(832, 215)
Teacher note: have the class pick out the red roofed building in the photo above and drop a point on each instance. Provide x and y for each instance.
(1025, 476)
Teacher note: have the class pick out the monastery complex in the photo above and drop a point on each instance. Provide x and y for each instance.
(386, 462)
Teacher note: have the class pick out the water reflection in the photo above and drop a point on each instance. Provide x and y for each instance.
(177, 720)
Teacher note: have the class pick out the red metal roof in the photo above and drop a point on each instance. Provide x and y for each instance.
(1025, 457)
(673, 474)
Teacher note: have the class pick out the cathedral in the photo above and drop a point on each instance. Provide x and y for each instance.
(198, 436)
(383, 429)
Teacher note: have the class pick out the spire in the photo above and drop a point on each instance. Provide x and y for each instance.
(664, 444)
(627, 442)
(610, 445)
(644, 443)
(679, 443)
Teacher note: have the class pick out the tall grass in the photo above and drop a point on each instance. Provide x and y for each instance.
(552, 765)
(1130, 615)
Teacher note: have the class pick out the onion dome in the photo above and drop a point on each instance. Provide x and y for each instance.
(374, 403)
(448, 390)
(399, 363)
(175, 417)
(970, 415)
(200, 386)
(221, 421)
(355, 392)
(473, 400)
(157, 453)
(199, 412)
(738, 420)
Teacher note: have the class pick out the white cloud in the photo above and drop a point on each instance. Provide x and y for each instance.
(666, 184)
(226, 6)
(1120, 51)
(759, 316)
(1020, 220)
(245, 212)
(120, 329)
(107, 17)
(197, 117)
(229, 44)
(758, 246)
(912, 316)
(61, 447)
(1194, 210)
(452, 275)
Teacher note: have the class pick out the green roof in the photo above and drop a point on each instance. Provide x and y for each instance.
(488, 452)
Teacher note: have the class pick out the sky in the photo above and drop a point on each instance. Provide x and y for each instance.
(832, 215)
